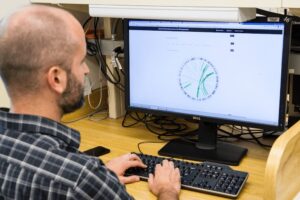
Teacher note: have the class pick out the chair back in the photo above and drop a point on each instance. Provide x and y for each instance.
(282, 173)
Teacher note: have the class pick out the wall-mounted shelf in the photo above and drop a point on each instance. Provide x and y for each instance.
(61, 1)
(176, 3)
(166, 12)
(291, 3)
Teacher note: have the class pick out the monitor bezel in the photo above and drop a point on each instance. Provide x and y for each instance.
(283, 91)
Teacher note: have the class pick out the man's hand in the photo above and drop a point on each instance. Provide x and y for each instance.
(120, 164)
(165, 184)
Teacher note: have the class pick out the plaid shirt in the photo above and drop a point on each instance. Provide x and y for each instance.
(39, 159)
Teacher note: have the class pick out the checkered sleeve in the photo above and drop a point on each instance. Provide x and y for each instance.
(97, 182)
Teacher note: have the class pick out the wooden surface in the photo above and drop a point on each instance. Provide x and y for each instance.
(119, 140)
(282, 171)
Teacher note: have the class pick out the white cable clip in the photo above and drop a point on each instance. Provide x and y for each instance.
(118, 63)
(113, 60)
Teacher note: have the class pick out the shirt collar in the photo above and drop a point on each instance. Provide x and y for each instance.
(37, 124)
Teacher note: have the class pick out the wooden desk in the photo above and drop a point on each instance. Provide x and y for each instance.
(119, 140)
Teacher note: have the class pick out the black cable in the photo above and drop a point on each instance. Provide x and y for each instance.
(273, 14)
(257, 131)
(146, 142)
(166, 129)
(285, 12)
(99, 51)
(122, 71)
(268, 13)
(257, 140)
(163, 127)
(91, 49)
(232, 134)
(86, 21)
(118, 50)
(242, 134)
(94, 49)
(241, 129)
(102, 59)
(137, 119)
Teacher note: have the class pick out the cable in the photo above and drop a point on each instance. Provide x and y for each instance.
(79, 118)
(88, 20)
(166, 129)
(244, 135)
(114, 28)
(268, 13)
(96, 118)
(100, 96)
(273, 14)
(137, 119)
(110, 77)
(147, 142)
(257, 140)
(94, 49)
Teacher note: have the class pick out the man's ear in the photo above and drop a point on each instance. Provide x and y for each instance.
(57, 79)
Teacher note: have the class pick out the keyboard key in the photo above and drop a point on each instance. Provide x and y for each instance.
(206, 177)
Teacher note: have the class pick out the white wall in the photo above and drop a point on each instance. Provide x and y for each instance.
(4, 100)
(5, 7)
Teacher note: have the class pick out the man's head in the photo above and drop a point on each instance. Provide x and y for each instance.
(43, 48)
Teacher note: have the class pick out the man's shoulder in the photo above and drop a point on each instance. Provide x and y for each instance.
(43, 155)
(58, 172)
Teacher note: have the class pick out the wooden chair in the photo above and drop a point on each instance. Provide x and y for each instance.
(282, 173)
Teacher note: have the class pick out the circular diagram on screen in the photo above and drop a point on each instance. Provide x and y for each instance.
(198, 79)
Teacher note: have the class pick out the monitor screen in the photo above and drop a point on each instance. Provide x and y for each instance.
(221, 72)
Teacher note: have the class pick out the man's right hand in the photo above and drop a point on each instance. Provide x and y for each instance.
(165, 183)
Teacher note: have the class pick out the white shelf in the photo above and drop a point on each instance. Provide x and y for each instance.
(166, 12)
(61, 1)
(191, 3)
(291, 3)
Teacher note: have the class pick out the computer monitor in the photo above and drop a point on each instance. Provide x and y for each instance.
(214, 72)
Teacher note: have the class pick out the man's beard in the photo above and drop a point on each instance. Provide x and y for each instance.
(72, 98)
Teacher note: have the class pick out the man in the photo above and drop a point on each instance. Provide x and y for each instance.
(42, 53)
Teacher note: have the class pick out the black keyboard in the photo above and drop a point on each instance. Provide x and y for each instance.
(214, 178)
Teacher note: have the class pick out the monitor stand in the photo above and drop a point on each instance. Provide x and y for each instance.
(206, 148)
